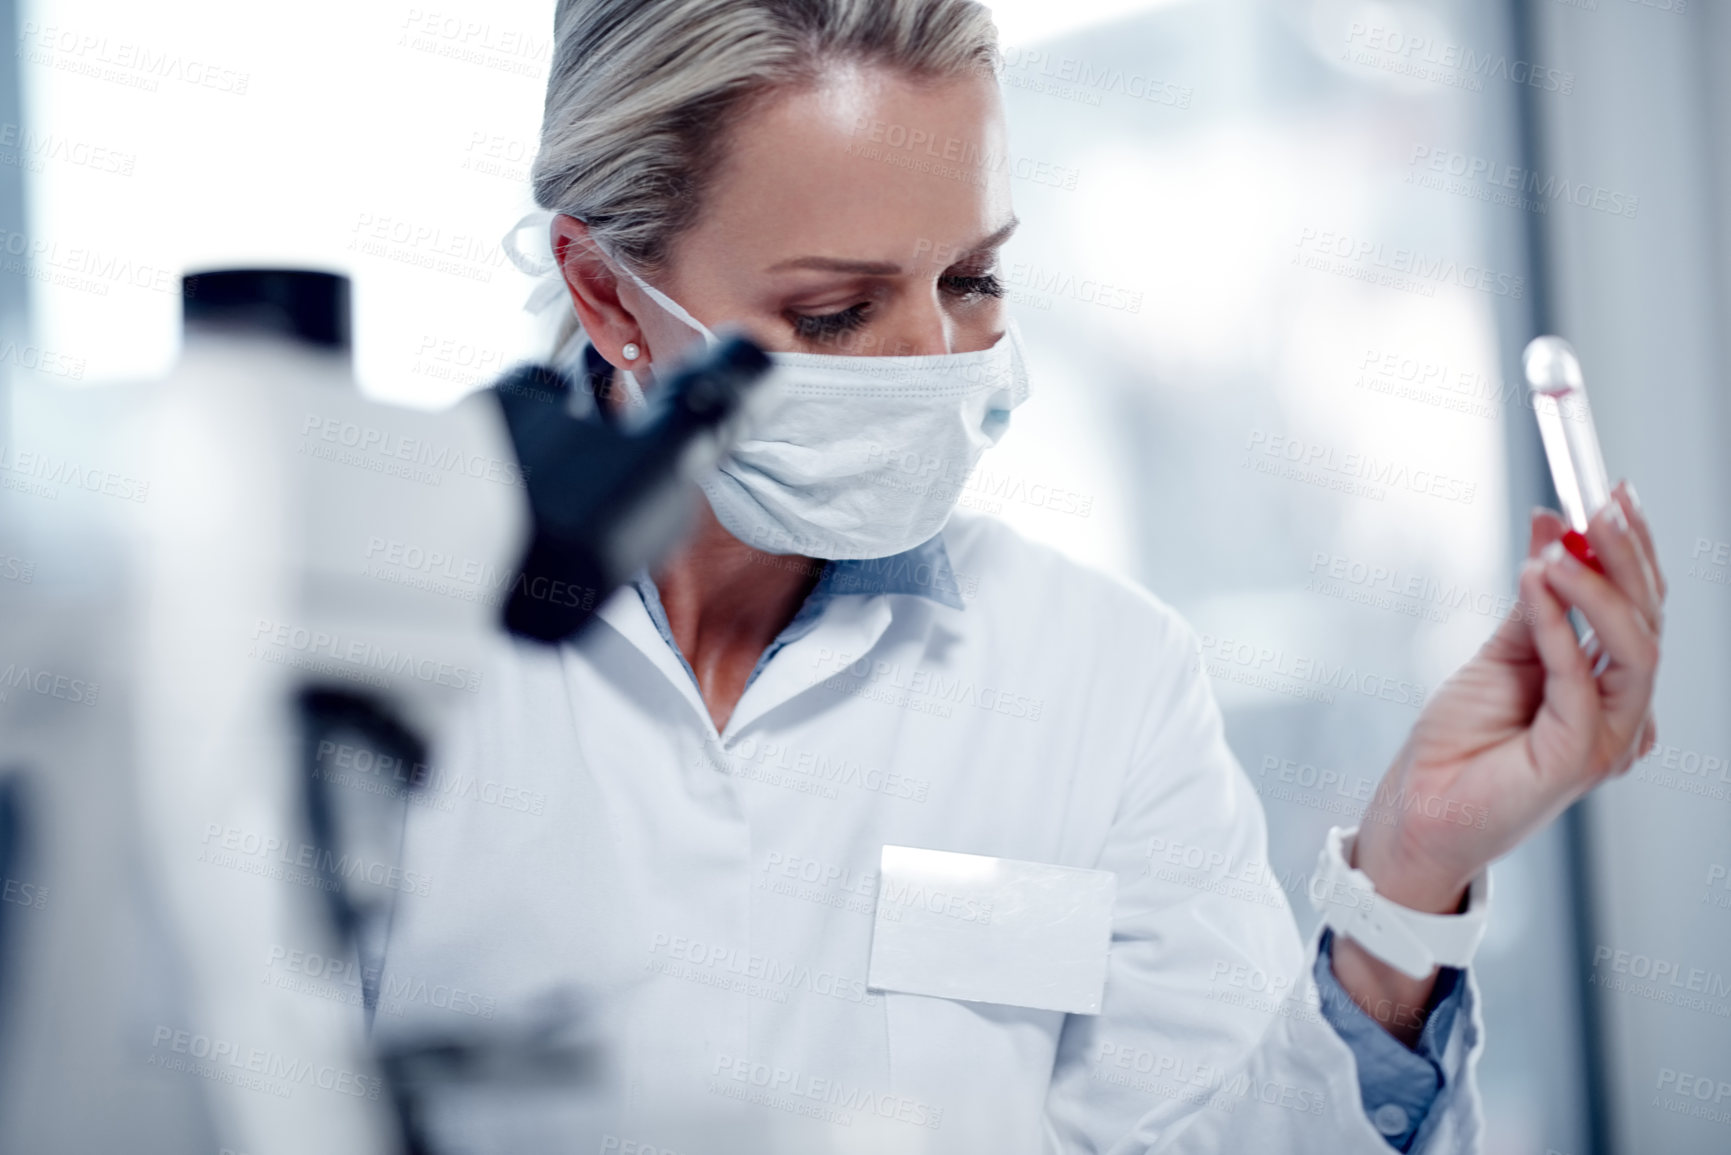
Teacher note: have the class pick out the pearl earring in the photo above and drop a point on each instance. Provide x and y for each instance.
(631, 351)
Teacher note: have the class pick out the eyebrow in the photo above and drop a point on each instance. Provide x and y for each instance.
(886, 268)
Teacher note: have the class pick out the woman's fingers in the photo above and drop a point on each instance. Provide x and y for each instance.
(1624, 494)
(1622, 631)
(1545, 527)
(1617, 621)
(1625, 556)
(1513, 640)
(1569, 683)
(1613, 538)
(1624, 608)
(1643, 746)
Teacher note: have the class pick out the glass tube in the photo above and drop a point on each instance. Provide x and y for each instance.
(1566, 427)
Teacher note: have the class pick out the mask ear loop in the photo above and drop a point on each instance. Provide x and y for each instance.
(673, 308)
(536, 259)
(540, 263)
(634, 398)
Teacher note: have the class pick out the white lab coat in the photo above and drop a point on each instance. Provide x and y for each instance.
(709, 897)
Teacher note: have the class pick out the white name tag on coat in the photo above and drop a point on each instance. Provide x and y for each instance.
(992, 930)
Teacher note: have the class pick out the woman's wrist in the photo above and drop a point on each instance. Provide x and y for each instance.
(1369, 981)
(1405, 877)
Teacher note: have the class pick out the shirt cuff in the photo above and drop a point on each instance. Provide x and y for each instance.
(1398, 1085)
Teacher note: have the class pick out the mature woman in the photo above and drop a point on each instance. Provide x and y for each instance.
(835, 663)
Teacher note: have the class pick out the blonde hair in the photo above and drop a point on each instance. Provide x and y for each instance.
(642, 93)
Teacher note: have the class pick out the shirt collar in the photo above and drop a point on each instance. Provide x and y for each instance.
(924, 571)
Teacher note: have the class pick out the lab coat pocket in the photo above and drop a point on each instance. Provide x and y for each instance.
(991, 930)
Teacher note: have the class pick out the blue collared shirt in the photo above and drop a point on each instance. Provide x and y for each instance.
(923, 570)
(1398, 1085)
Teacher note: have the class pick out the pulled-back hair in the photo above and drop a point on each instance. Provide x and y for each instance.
(643, 92)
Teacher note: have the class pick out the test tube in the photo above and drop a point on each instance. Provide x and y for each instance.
(1571, 445)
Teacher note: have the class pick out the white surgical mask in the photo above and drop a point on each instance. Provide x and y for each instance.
(858, 457)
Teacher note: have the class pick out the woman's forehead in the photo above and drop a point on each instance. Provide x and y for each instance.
(869, 165)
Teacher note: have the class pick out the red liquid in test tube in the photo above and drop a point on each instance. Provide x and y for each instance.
(1571, 444)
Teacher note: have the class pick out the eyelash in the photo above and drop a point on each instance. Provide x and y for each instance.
(829, 325)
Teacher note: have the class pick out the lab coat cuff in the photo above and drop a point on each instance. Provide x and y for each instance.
(1454, 1121)
(1398, 1086)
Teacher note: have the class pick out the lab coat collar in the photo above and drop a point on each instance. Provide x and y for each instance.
(847, 627)
(625, 612)
(829, 623)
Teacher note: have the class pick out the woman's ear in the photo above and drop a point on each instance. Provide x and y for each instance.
(594, 289)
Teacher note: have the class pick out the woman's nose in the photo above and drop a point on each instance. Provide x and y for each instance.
(924, 331)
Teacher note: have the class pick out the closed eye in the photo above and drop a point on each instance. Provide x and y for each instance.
(972, 287)
(819, 327)
(827, 326)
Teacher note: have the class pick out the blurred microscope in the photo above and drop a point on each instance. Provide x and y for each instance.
(206, 585)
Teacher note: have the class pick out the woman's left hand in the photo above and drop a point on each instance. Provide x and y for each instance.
(1525, 727)
(1514, 736)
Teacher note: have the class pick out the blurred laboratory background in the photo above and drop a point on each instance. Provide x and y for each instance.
(1277, 264)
